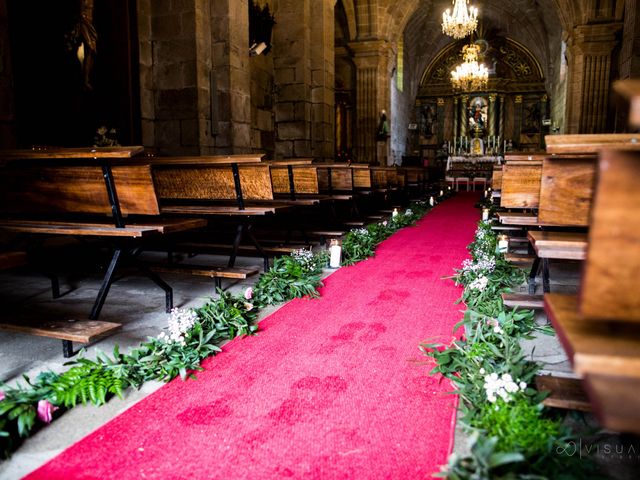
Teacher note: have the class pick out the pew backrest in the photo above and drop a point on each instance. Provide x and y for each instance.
(521, 181)
(566, 190)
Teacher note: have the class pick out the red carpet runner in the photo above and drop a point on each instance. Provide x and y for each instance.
(330, 388)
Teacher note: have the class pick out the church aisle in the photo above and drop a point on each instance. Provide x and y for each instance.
(333, 387)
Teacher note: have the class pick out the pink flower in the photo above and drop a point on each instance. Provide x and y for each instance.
(248, 306)
(45, 411)
(2, 395)
(248, 293)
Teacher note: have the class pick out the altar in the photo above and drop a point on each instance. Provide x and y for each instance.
(472, 165)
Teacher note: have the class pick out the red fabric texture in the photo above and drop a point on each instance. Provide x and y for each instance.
(330, 388)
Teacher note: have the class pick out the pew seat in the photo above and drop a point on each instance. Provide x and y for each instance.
(517, 218)
(607, 355)
(532, 302)
(69, 331)
(210, 271)
(559, 245)
(564, 392)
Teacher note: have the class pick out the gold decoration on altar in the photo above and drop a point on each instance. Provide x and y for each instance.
(470, 75)
(462, 22)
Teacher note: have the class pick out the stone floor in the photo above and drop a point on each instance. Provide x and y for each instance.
(136, 303)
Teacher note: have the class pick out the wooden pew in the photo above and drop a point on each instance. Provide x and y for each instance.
(85, 193)
(240, 192)
(600, 328)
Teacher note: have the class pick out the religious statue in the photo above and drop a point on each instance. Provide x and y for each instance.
(83, 40)
(429, 118)
(383, 127)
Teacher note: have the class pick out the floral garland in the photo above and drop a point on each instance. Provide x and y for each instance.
(513, 436)
(191, 336)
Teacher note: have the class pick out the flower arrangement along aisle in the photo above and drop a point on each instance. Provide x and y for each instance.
(513, 436)
(191, 336)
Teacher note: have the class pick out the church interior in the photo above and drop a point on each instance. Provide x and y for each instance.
(319, 239)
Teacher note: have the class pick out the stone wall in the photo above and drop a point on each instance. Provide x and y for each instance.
(630, 51)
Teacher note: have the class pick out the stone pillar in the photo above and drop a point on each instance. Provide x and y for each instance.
(492, 115)
(464, 121)
(517, 120)
(322, 80)
(292, 65)
(544, 100)
(589, 51)
(455, 117)
(231, 76)
(372, 96)
(501, 120)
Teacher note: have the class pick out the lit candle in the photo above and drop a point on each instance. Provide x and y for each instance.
(335, 251)
(431, 201)
(485, 214)
(441, 193)
(394, 213)
(503, 243)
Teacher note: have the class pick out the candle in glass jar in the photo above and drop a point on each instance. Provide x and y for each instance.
(335, 252)
(431, 201)
(394, 213)
(485, 214)
(503, 243)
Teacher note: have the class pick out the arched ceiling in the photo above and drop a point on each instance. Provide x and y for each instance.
(534, 23)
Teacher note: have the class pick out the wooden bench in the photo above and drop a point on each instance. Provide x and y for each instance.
(564, 392)
(600, 328)
(242, 192)
(513, 300)
(85, 193)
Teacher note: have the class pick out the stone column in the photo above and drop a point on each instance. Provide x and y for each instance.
(492, 115)
(292, 63)
(322, 80)
(501, 120)
(464, 121)
(543, 115)
(517, 120)
(372, 95)
(589, 51)
(231, 75)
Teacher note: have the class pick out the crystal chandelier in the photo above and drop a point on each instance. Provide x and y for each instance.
(463, 22)
(470, 75)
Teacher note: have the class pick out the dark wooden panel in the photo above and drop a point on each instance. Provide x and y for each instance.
(615, 400)
(566, 191)
(75, 189)
(566, 393)
(205, 160)
(609, 288)
(362, 178)
(521, 184)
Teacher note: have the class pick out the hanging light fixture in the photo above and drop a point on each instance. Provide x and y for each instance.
(462, 22)
(470, 75)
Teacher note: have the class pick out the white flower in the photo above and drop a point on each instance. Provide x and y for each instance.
(500, 387)
(408, 211)
(523, 386)
(497, 330)
(248, 293)
(482, 371)
(248, 306)
(479, 283)
(180, 322)
(384, 224)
